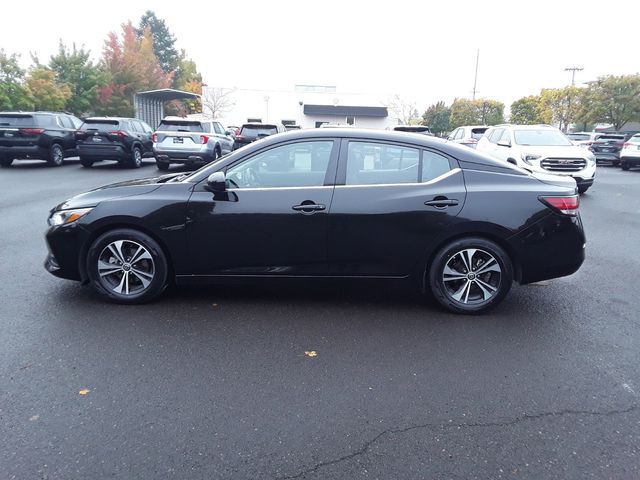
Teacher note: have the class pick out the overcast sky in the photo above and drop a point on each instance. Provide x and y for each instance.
(424, 51)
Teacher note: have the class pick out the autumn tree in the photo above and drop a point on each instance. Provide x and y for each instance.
(526, 111)
(612, 99)
(436, 117)
(13, 93)
(560, 106)
(476, 112)
(186, 78)
(45, 92)
(74, 68)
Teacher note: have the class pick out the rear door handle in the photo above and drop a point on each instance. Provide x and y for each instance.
(309, 207)
(441, 202)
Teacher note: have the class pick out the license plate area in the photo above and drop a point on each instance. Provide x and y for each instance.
(178, 140)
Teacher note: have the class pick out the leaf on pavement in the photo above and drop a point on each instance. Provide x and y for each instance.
(311, 353)
(84, 391)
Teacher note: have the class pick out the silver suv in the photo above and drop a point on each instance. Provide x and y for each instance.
(540, 148)
(189, 141)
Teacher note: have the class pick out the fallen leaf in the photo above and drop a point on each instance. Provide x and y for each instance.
(34, 418)
(311, 353)
(84, 391)
(215, 305)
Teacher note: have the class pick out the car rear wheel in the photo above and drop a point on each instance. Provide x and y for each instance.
(85, 162)
(136, 158)
(470, 275)
(625, 165)
(581, 190)
(56, 155)
(164, 166)
(127, 266)
(5, 162)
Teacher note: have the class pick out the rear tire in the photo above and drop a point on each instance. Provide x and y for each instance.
(5, 162)
(85, 162)
(127, 266)
(625, 165)
(581, 190)
(136, 158)
(615, 163)
(56, 155)
(470, 275)
(162, 165)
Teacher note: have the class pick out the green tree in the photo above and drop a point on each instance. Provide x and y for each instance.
(612, 99)
(74, 68)
(163, 41)
(476, 112)
(526, 111)
(13, 93)
(437, 118)
(187, 78)
(561, 106)
(45, 91)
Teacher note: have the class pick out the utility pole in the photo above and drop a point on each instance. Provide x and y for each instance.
(573, 71)
(475, 79)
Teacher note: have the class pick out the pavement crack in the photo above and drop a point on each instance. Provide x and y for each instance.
(450, 425)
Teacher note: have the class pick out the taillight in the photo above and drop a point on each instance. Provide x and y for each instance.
(567, 205)
(627, 144)
(239, 137)
(32, 131)
(119, 133)
(204, 139)
(81, 134)
(154, 138)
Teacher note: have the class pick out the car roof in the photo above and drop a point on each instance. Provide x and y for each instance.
(539, 126)
(111, 118)
(184, 119)
(476, 126)
(26, 114)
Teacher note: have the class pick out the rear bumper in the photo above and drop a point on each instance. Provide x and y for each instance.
(553, 247)
(24, 152)
(176, 156)
(607, 156)
(631, 161)
(103, 152)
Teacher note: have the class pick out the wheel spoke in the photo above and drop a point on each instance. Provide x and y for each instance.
(450, 271)
(105, 268)
(125, 279)
(485, 287)
(461, 291)
(116, 249)
(140, 254)
(486, 294)
(145, 278)
(490, 266)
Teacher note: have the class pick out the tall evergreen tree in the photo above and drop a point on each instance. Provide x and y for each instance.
(163, 41)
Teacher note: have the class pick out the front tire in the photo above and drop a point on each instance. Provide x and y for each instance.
(85, 162)
(56, 155)
(127, 266)
(470, 275)
(5, 162)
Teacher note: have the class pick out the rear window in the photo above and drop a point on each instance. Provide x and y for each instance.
(416, 128)
(635, 139)
(611, 137)
(477, 133)
(26, 120)
(578, 137)
(100, 125)
(176, 126)
(255, 131)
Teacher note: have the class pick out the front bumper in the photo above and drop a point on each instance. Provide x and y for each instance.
(65, 244)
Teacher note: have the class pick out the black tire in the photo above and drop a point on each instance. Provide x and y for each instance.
(136, 158)
(615, 163)
(162, 165)
(470, 286)
(625, 165)
(581, 190)
(56, 155)
(5, 162)
(85, 162)
(146, 277)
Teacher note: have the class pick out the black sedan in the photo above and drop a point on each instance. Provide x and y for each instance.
(326, 203)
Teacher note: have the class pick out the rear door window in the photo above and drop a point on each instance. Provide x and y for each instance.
(433, 165)
(180, 126)
(370, 163)
(495, 135)
(218, 128)
(18, 120)
(258, 131)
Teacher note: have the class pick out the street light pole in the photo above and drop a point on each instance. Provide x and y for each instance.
(475, 78)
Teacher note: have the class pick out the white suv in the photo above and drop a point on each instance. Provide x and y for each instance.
(540, 148)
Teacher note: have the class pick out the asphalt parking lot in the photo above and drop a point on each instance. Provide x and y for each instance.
(215, 383)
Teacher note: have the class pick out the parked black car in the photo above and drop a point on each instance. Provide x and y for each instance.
(607, 146)
(127, 140)
(327, 203)
(48, 136)
(250, 132)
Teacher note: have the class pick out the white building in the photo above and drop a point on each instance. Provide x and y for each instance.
(308, 106)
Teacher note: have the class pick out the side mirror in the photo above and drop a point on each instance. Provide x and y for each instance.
(504, 143)
(217, 182)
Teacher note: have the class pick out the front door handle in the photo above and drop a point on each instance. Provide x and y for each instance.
(309, 207)
(442, 202)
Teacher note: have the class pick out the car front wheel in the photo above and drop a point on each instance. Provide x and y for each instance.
(127, 266)
(470, 275)
(5, 161)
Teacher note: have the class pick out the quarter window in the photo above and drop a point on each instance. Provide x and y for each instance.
(302, 164)
(379, 163)
(433, 165)
(495, 135)
(218, 128)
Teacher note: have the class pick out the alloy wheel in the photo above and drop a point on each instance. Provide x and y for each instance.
(471, 276)
(126, 267)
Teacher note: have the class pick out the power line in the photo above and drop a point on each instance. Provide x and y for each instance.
(573, 71)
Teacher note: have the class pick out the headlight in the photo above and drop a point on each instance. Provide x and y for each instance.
(62, 217)
(529, 157)
(591, 158)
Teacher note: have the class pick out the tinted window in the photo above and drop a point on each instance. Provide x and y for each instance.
(256, 131)
(25, 120)
(146, 128)
(180, 126)
(579, 137)
(506, 136)
(301, 164)
(433, 165)
(379, 163)
(495, 135)
(541, 137)
(66, 122)
(105, 125)
(477, 133)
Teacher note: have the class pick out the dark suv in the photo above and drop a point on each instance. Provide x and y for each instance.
(607, 147)
(45, 136)
(126, 140)
(250, 132)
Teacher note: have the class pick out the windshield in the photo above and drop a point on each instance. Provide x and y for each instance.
(579, 137)
(255, 131)
(177, 126)
(551, 138)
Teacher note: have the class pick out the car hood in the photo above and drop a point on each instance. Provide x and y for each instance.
(128, 188)
(568, 151)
